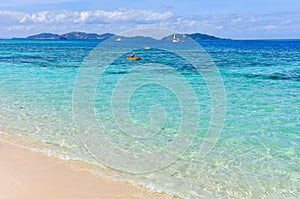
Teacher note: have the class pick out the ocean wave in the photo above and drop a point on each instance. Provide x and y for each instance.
(293, 76)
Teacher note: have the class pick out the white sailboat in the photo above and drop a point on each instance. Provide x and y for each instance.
(175, 40)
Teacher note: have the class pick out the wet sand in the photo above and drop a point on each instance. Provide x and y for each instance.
(26, 174)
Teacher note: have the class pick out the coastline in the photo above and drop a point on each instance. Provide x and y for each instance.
(29, 174)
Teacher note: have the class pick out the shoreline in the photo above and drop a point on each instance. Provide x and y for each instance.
(29, 174)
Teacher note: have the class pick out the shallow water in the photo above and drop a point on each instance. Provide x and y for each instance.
(256, 156)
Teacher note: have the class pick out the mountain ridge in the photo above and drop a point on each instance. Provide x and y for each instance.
(76, 35)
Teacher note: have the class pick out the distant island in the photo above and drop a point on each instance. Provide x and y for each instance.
(194, 36)
(95, 36)
(69, 36)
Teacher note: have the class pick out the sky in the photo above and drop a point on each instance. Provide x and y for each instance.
(237, 19)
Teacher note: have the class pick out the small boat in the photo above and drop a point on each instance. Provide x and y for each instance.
(133, 58)
(119, 39)
(176, 40)
(147, 48)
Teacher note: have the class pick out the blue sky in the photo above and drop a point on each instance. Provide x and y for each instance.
(226, 18)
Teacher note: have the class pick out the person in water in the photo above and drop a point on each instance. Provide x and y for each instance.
(132, 55)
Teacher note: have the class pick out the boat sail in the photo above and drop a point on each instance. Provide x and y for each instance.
(175, 40)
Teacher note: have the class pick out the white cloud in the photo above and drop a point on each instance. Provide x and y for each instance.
(269, 27)
(253, 19)
(60, 21)
(98, 16)
(273, 25)
(19, 24)
(285, 22)
(237, 20)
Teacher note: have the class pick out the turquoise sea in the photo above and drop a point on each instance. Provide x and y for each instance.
(256, 156)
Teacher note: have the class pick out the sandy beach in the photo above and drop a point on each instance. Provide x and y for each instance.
(26, 174)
